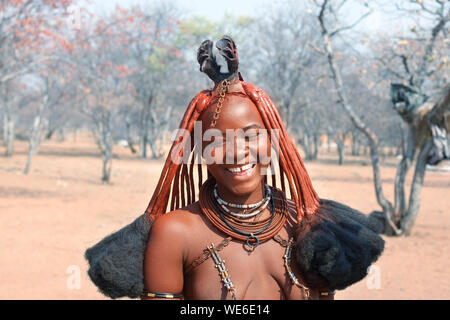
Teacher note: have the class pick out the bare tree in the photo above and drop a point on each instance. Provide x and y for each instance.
(399, 218)
(310, 124)
(38, 129)
(102, 86)
(8, 120)
(22, 34)
(149, 38)
(53, 93)
(284, 54)
(12, 101)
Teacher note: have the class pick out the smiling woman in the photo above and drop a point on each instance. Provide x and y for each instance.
(227, 222)
(238, 168)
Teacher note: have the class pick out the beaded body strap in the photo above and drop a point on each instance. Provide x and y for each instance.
(287, 263)
(223, 272)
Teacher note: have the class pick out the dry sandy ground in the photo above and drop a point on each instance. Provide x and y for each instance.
(49, 217)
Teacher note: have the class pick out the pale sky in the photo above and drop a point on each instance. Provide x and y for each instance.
(215, 10)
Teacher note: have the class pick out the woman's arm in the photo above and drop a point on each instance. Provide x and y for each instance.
(163, 262)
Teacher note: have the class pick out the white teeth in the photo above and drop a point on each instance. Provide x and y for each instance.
(240, 169)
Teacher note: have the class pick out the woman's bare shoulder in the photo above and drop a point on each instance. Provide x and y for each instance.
(179, 222)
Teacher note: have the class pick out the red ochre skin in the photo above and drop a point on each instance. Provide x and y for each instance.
(180, 236)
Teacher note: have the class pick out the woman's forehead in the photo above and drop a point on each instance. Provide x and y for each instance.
(236, 113)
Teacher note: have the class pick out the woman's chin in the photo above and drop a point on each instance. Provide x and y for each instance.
(241, 191)
(242, 188)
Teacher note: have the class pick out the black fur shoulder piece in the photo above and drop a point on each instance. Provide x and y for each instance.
(336, 246)
(116, 263)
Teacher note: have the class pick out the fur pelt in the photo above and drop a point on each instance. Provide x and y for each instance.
(116, 263)
(336, 246)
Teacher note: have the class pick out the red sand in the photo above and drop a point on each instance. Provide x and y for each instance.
(50, 216)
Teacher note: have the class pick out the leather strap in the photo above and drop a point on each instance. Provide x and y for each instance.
(206, 254)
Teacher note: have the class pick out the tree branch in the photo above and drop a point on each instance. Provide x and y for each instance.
(350, 26)
(422, 70)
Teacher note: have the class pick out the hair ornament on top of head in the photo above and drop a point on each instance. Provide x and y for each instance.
(219, 61)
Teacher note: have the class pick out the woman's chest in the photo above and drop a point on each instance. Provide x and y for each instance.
(259, 274)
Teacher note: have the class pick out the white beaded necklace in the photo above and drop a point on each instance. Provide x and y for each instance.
(262, 204)
(242, 206)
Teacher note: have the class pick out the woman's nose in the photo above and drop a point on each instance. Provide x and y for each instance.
(236, 150)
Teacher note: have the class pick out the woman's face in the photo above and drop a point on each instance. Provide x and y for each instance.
(237, 151)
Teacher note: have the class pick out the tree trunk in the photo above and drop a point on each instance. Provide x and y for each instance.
(316, 146)
(303, 141)
(356, 146)
(388, 209)
(409, 219)
(155, 148)
(129, 139)
(107, 165)
(9, 133)
(328, 143)
(28, 163)
(144, 139)
(37, 133)
(159, 125)
(49, 134)
(402, 170)
(341, 154)
(145, 123)
(105, 143)
(61, 135)
(340, 143)
(399, 151)
(309, 147)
